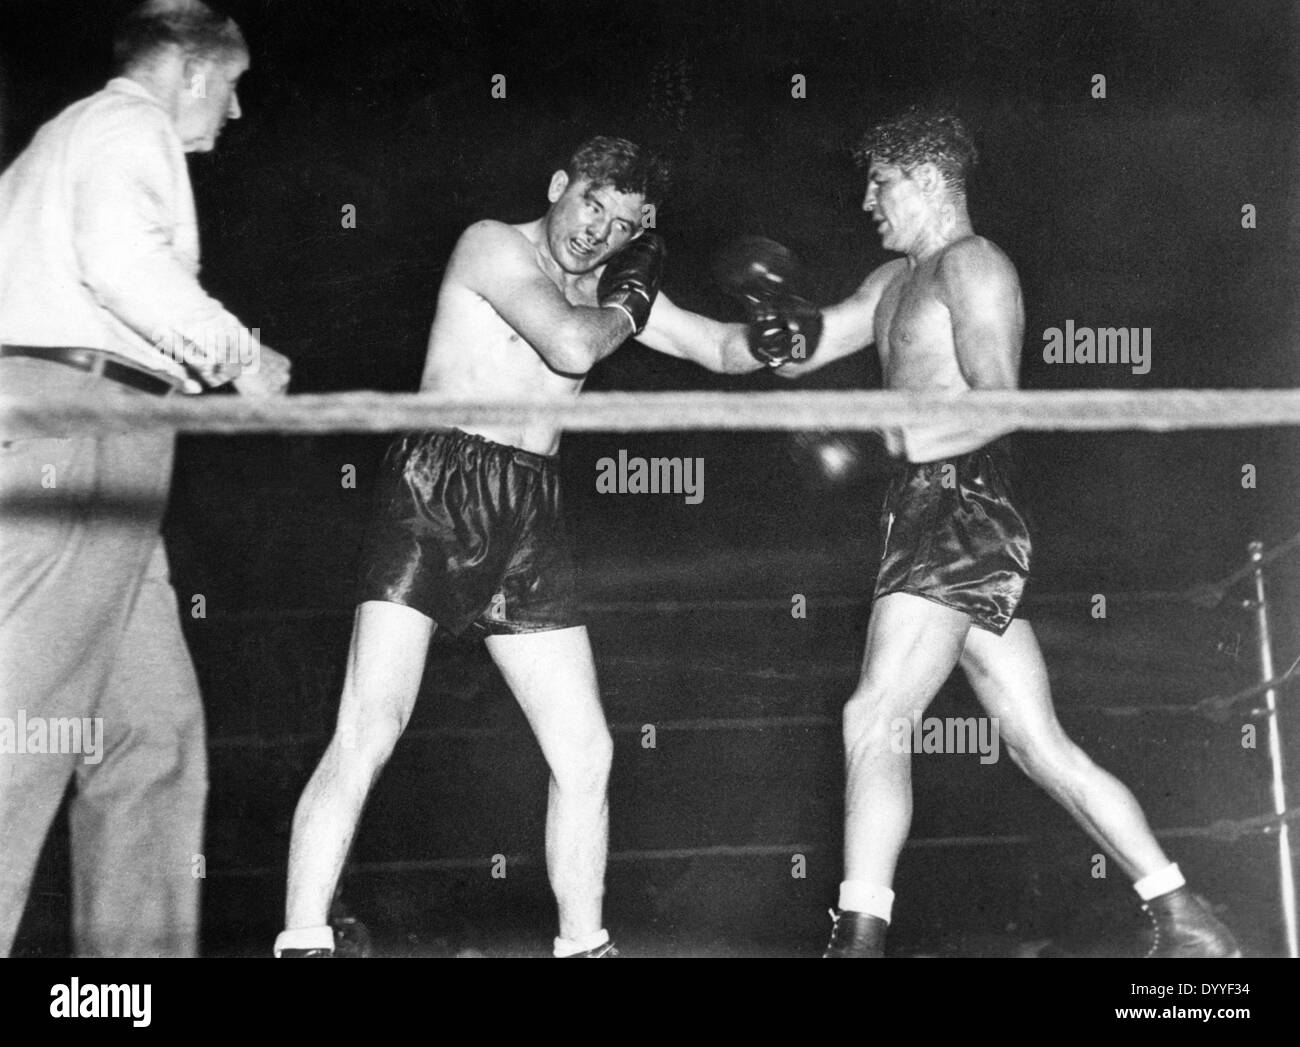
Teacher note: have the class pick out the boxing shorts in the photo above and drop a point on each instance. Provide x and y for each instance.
(951, 533)
(469, 532)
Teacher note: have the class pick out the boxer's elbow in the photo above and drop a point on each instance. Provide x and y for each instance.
(571, 349)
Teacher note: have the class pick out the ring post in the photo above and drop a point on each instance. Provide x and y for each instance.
(1286, 873)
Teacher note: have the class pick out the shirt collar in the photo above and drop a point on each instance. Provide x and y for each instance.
(128, 86)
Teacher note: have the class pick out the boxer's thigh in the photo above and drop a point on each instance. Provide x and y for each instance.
(553, 677)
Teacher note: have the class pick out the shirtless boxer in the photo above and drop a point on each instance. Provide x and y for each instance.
(948, 318)
(467, 528)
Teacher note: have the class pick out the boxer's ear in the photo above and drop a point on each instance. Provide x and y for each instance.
(559, 183)
(928, 178)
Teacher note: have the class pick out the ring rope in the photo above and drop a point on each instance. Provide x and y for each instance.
(1216, 708)
(1097, 410)
(1224, 830)
(1205, 595)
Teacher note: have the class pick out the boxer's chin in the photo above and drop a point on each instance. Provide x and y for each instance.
(577, 264)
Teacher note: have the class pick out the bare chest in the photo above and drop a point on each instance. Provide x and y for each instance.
(473, 350)
(913, 330)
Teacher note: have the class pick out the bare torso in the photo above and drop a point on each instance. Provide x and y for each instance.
(474, 354)
(913, 330)
(914, 336)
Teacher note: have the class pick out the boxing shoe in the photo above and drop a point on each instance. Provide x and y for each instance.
(856, 935)
(1182, 926)
(351, 938)
(351, 941)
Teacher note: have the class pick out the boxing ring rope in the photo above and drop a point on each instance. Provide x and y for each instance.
(1058, 410)
(1224, 830)
(1097, 410)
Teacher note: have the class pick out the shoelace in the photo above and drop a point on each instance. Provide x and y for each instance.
(836, 922)
(1155, 931)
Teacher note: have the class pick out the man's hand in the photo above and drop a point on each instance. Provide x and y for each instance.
(783, 324)
(631, 279)
(271, 378)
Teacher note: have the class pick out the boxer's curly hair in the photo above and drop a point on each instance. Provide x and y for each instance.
(922, 135)
(603, 160)
(188, 24)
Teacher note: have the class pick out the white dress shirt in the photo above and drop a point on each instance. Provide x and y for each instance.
(99, 243)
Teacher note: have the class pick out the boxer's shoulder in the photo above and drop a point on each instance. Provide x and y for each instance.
(488, 251)
(886, 274)
(881, 279)
(489, 238)
(973, 256)
(975, 269)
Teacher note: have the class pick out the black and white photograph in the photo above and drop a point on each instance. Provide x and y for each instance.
(748, 480)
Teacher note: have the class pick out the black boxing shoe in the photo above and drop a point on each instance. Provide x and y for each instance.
(1182, 926)
(856, 935)
(351, 938)
(608, 951)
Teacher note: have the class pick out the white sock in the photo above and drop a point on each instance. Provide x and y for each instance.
(564, 947)
(1158, 883)
(864, 897)
(305, 938)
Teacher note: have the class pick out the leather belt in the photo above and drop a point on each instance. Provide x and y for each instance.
(97, 362)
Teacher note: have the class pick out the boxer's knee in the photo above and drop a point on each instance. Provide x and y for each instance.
(1051, 760)
(866, 722)
(368, 730)
(583, 768)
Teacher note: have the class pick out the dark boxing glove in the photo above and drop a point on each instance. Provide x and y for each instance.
(784, 325)
(631, 279)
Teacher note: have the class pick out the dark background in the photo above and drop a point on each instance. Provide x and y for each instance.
(1118, 212)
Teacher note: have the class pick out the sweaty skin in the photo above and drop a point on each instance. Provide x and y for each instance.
(947, 318)
(518, 318)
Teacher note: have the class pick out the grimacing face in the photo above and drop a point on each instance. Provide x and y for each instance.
(587, 224)
(897, 204)
(208, 99)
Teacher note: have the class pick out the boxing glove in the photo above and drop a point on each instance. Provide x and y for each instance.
(765, 276)
(631, 279)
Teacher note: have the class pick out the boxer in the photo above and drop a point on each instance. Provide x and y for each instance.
(467, 529)
(947, 317)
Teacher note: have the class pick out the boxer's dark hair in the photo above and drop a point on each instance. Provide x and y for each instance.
(197, 30)
(603, 160)
(921, 135)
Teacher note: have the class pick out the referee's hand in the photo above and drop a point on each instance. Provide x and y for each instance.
(271, 377)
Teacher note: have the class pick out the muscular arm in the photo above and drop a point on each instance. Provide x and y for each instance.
(689, 336)
(979, 286)
(847, 327)
(498, 263)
